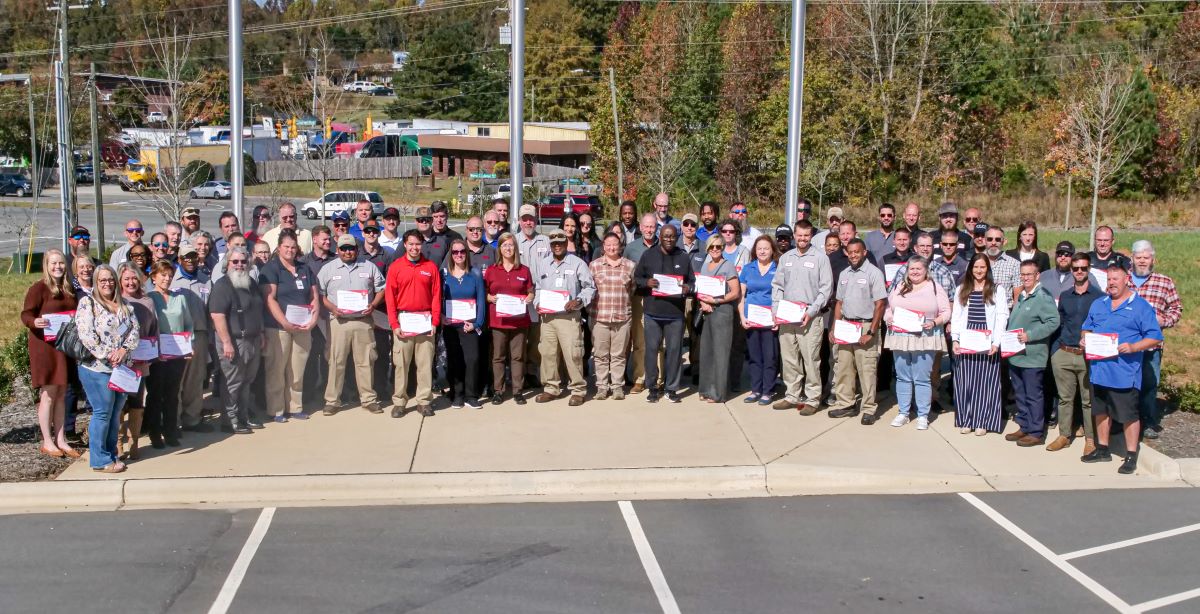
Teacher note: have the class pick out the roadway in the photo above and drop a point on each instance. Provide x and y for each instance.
(1117, 550)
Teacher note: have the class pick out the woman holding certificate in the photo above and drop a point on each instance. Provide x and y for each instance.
(509, 286)
(717, 291)
(162, 386)
(47, 305)
(762, 341)
(917, 311)
(109, 332)
(978, 321)
(132, 282)
(463, 292)
(290, 295)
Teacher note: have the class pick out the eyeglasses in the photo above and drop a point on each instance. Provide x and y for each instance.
(285, 218)
(492, 223)
(1080, 268)
(716, 246)
(134, 230)
(474, 228)
(371, 229)
(971, 219)
(106, 280)
(238, 261)
(739, 211)
(993, 239)
(81, 237)
(347, 248)
(342, 224)
(1063, 254)
(728, 232)
(263, 216)
(458, 252)
(138, 255)
(949, 244)
(1028, 275)
(424, 220)
(887, 215)
(689, 223)
(191, 217)
(161, 244)
(583, 224)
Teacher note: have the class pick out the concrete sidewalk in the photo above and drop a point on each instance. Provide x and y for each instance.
(602, 450)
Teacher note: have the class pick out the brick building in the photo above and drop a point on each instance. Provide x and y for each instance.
(483, 145)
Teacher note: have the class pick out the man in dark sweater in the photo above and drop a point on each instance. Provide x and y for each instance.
(664, 274)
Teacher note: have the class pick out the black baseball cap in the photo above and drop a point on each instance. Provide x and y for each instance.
(1065, 247)
(391, 212)
(981, 229)
(783, 230)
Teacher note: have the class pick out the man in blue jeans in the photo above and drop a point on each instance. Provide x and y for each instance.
(1158, 290)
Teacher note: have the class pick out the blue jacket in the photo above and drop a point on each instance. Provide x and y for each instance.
(470, 287)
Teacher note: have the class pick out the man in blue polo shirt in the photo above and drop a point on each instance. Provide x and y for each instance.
(1116, 380)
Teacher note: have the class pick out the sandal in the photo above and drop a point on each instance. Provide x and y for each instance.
(70, 452)
(56, 453)
(110, 468)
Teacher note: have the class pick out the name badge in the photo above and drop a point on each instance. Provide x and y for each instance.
(363, 275)
(790, 263)
(810, 265)
(558, 282)
(862, 282)
(299, 284)
(335, 278)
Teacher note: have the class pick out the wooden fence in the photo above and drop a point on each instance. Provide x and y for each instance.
(339, 168)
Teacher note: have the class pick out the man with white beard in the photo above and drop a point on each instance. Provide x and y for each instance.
(1160, 291)
(1006, 270)
(236, 306)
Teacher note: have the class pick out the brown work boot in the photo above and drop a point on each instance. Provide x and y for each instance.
(637, 389)
(329, 410)
(1029, 441)
(1015, 435)
(783, 404)
(544, 397)
(1089, 445)
(806, 410)
(373, 408)
(1058, 444)
(576, 400)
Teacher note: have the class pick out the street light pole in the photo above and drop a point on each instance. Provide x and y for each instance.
(235, 113)
(795, 111)
(516, 111)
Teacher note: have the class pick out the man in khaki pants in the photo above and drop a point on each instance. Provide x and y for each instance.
(414, 289)
(346, 282)
(861, 299)
(565, 275)
(803, 276)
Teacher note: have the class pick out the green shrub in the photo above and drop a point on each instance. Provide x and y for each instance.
(14, 365)
(1015, 179)
(195, 173)
(249, 169)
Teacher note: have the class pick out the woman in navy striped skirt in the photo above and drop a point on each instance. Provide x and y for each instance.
(978, 306)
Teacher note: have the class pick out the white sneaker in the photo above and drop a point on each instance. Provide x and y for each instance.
(900, 420)
(922, 423)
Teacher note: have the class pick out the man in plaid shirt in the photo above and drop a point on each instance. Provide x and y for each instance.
(1158, 290)
(1006, 270)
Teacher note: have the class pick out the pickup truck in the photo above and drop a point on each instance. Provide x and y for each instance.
(551, 209)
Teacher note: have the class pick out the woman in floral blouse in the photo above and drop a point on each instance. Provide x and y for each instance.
(109, 331)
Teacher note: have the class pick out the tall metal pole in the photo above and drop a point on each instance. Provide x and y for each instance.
(36, 166)
(516, 110)
(235, 112)
(64, 136)
(795, 111)
(97, 163)
(64, 152)
(612, 91)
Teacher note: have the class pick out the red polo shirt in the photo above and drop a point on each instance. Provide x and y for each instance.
(413, 286)
(498, 281)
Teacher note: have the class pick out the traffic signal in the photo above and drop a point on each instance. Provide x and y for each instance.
(328, 128)
(279, 130)
(292, 131)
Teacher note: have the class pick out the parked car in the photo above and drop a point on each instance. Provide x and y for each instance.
(360, 86)
(12, 184)
(344, 200)
(156, 117)
(84, 174)
(382, 90)
(213, 189)
(551, 210)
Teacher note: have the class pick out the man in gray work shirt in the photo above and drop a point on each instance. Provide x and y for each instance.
(350, 328)
(803, 275)
(561, 328)
(861, 300)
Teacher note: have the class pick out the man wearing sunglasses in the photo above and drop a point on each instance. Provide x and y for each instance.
(374, 252)
(287, 221)
(662, 216)
(1006, 270)
(493, 227)
(949, 254)
(134, 231)
(194, 284)
(740, 214)
(882, 242)
(341, 225)
(237, 313)
(1066, 359)
(1058, 279)
(350, 329)
(482, 254)
(79, 240)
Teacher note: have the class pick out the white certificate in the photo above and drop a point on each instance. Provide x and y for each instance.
(1100, 276)
(175, 346)
(415, 323)
(668, 285)
(759, 316)
(889, 272)
(510, 305)
(54, 323)
(298, 314)
(1098, 346)
(907, 320)
(1010, 344)
(552, 301)
(352, 301)
(975, 341)
(124, 379)
(790, 312)
(462, 310)
(708, 285)
(847, 333)
(147, 349)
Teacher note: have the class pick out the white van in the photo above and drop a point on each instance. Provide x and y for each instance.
(342, 200)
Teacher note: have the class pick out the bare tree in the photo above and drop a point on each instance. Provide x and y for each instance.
(928, 18)
(883, 30)
(1098, 128)
(822, 167)
(660, 156)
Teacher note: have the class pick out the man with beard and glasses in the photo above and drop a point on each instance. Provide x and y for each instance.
(1066, 359)
(236, 305)
(345, 284)
(193, 282)
(1006, 270)
(1158, 290)
(949, 254)
(287, 221)
(948, 221)
(834, 217)
(739, 213)
(1058, 278)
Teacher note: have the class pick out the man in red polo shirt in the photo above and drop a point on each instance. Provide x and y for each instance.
(414, 305)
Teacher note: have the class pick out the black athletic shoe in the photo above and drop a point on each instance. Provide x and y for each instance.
(1099, 455)
(652, 396)
(1130, 464)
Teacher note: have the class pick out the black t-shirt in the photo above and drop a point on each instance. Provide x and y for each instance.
(243, 313)
(289, 289)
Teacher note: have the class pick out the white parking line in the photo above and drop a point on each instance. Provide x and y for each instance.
(238, 572)
(1111, 599)
(1132, 542)
(662, 590)
(1168, 600)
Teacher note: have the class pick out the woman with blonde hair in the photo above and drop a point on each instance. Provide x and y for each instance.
(109, 332)
(132, 283)
(52, 294)
(762, 342)
(508, 276)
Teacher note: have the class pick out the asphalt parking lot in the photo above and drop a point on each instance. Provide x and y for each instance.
(1124, 551)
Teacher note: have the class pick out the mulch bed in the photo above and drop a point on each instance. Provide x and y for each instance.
(20, 460)
(1180, 435)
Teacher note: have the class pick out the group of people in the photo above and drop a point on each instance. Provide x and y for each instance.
(363, 313)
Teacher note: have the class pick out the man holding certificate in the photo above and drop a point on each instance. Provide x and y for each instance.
(414, 306)
(350, 290)
(664, 272)
(802, 286)
(1033, 322)
(1067, 361)
(861, 300)
(564, 286)
(1118, 329)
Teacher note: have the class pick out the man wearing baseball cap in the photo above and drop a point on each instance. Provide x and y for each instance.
(784, 238)
(341, 225)
(561, 329)
(190, 221)
(532, 246)
(833, 217)
(389, 236)
(1057, 279)
(948, 220)
(688, 226)
(350, 327)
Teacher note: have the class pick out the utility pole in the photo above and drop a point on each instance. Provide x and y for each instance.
(33, 149)
(795, 111)
(316, 65)
(97, 163)
(516, 110)
(236, 161)
(612, 90)
(62, 96)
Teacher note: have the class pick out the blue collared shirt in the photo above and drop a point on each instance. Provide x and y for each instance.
(758, 285)
(1132, 321)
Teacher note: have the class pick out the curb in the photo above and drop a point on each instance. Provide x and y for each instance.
(1189, 470)
(783, 480)
(84, 495)
(1160, 465)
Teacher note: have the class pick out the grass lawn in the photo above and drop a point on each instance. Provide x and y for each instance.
(12, 298)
